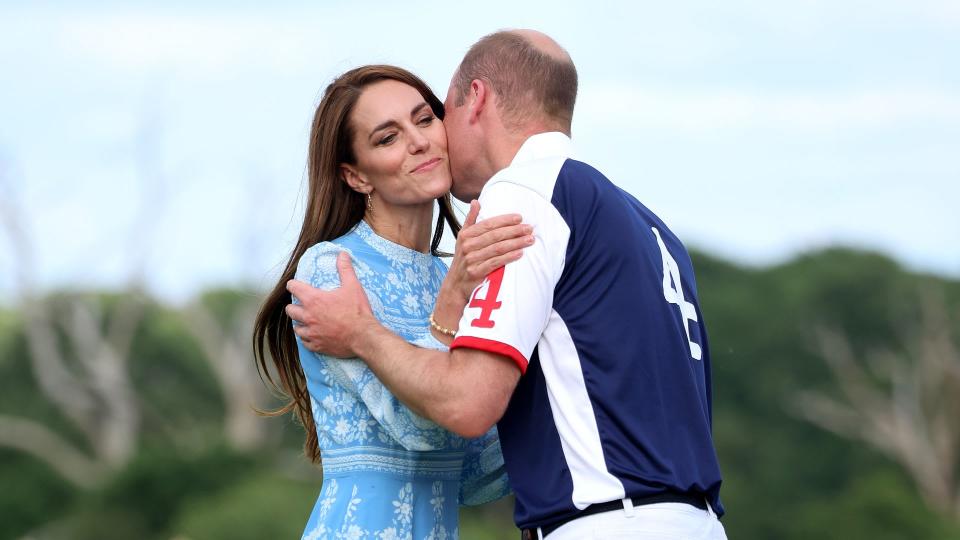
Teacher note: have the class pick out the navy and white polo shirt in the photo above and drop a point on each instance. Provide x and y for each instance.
(602, 318)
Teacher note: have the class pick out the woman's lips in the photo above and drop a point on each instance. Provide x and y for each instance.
(428, 165)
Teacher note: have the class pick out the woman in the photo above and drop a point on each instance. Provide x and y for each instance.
(377, 164)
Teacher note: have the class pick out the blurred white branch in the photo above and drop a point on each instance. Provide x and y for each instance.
(37, 440)
(907, 405)
(227, 349)
(80, 346)
(84, 374)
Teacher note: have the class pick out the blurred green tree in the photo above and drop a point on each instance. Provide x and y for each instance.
(785, 476)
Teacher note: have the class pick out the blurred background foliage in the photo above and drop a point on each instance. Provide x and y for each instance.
(836, 384)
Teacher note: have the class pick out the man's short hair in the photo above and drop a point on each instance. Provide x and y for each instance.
(529, 83)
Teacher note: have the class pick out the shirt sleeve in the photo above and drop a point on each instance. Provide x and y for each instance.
(318, 268)
(483, 477)
(507, 312)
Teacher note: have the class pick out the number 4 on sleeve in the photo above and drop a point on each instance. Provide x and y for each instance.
(489, 302)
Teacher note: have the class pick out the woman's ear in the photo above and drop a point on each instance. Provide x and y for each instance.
(354, 179)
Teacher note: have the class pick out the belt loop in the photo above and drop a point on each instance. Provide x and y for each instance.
(628, 506)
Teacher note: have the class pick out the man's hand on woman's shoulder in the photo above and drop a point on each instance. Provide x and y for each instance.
(329, 322)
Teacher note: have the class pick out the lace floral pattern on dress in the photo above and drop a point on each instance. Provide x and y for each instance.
(388, 472)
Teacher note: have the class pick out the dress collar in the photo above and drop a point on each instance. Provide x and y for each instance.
(390, 249)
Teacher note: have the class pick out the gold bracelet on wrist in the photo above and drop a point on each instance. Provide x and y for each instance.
(442, 330)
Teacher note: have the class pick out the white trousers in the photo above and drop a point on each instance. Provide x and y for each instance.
(659, 521)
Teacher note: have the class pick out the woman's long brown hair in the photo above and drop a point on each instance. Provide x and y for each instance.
(333, 210)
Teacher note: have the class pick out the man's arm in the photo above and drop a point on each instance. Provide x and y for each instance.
(465, 391)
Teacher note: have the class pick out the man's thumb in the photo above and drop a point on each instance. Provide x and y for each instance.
(345, 268)
(472, 214)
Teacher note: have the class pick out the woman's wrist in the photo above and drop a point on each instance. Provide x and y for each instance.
(450, 299)
(442, 329)
(446, 313)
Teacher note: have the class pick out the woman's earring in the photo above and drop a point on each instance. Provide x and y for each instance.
(369, 202)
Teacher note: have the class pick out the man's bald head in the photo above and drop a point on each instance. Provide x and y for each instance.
(533, 78)
(543, 43)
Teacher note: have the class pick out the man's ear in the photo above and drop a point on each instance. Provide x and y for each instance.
(354, 179)
(477, 99)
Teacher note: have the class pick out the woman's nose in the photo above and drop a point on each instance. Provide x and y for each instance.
(418, 142)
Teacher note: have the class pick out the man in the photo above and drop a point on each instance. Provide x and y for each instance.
(589, 352)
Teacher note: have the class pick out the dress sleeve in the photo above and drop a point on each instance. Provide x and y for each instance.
(483, 477)
(318, 267)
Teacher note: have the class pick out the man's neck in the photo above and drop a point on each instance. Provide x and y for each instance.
(508, 143)
(502, 154)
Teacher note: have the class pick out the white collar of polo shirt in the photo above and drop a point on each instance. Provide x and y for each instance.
(543, 145)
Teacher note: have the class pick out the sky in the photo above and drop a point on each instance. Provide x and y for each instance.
(167, 141)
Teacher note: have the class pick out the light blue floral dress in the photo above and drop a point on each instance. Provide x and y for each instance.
(387, 472)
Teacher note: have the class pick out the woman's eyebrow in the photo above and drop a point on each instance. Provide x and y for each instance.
(391, 123)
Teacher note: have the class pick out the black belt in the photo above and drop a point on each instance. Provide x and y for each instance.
(666, 497)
